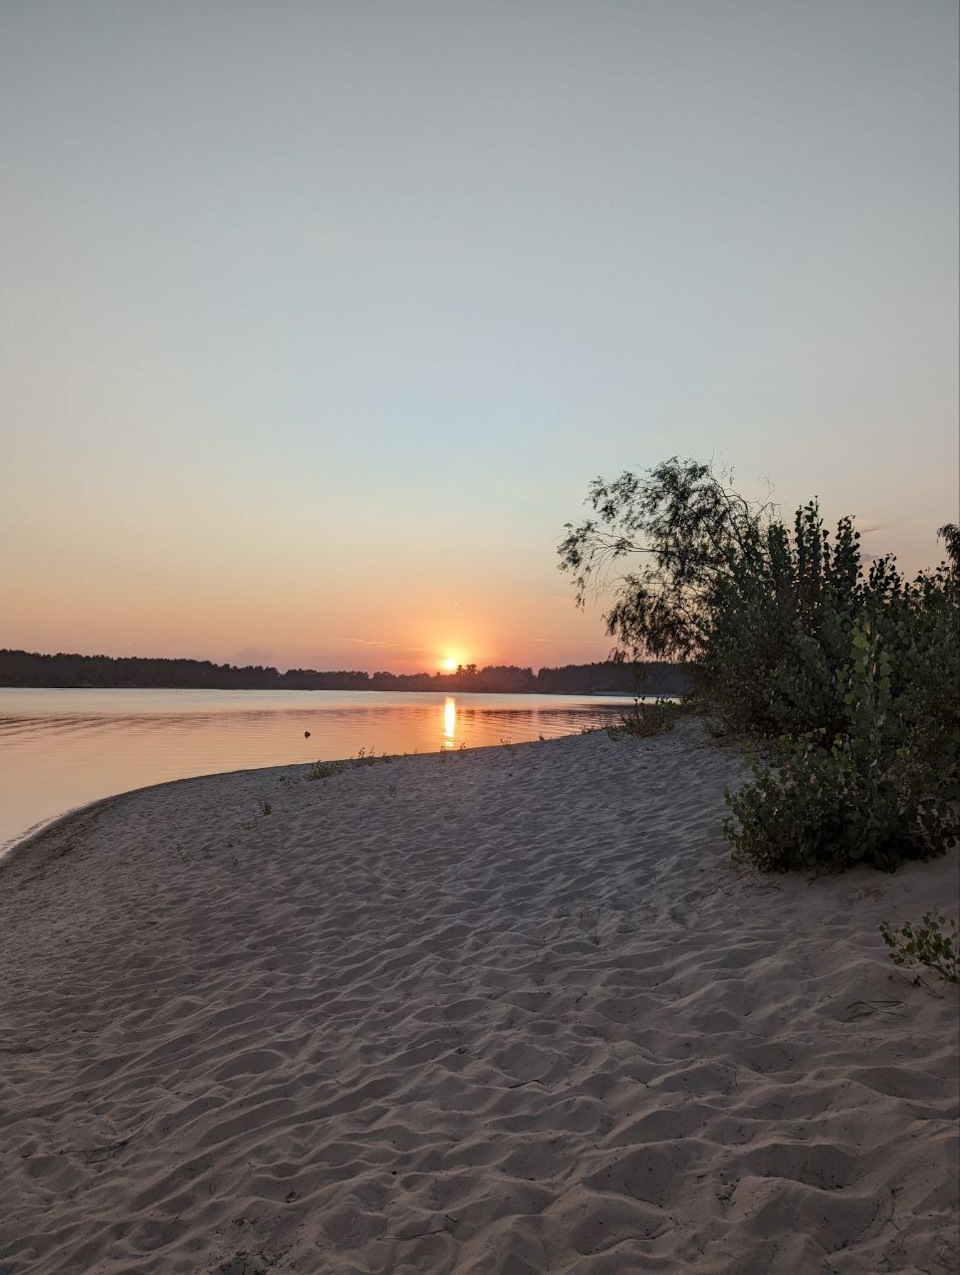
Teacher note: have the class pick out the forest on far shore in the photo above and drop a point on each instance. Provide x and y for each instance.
(27, 668)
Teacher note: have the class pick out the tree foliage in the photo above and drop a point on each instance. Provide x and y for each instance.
(683, 522)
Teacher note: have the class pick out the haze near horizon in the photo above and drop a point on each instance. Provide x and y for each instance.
(318, 320)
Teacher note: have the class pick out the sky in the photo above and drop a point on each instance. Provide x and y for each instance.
(318, 318)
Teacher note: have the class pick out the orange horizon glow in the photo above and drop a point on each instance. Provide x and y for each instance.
(341, 418)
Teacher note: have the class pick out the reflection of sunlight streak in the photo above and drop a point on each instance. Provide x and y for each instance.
(449, 718)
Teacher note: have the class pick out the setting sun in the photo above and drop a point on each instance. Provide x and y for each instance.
(450, 664)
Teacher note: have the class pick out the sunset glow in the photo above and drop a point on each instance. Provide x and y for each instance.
(336, 477)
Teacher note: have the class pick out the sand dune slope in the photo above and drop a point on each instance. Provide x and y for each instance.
(509, 1012)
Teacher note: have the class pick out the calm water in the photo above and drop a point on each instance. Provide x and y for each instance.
(62, 748)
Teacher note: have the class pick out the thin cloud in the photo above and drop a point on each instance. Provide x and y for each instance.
(867, 527)
(398, 648)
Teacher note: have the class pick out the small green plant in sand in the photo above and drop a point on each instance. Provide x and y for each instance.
(325, 769)
(369, 757)
(930, 942)
(266, 808)
(647, 719)
(365, 757)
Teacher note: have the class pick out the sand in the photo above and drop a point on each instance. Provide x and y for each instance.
(510, 1012)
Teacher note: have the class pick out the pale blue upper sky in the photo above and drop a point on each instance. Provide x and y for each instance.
(316, 319)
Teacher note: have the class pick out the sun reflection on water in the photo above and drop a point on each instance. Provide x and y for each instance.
(449, 719)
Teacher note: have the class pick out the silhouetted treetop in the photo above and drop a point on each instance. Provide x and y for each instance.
(26, 668)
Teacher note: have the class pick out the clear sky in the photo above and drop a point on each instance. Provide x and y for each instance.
(317, 318)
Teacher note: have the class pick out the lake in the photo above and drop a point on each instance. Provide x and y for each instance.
(63, 748)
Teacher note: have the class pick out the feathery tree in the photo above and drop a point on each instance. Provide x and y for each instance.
(687, 526)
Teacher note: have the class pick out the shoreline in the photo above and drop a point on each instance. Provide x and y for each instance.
(67, 748)
(25, 841)
(28, 839)
(351, 690)
(509, 1010)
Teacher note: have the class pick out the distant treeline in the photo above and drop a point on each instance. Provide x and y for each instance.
(25, 668)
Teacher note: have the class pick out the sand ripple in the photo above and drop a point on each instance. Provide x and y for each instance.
(510, 1012)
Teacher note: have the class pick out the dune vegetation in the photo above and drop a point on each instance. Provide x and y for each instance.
(841, 674)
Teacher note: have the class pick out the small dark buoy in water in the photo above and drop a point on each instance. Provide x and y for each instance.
(306, 734)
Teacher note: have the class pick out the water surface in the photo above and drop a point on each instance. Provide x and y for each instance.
(62, 748)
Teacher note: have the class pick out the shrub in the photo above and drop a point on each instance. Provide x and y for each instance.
(928, 668)
(926, 944)
(647, 719)
(863, 796)
(780, 624)
(832, 807)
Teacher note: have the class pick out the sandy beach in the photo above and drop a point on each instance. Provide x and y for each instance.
(507, 1012)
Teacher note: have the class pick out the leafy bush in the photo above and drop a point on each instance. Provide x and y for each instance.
(926, 944)
(780, 625)
(928, 675)
(863, 796)
(834, 807)
(647, 719)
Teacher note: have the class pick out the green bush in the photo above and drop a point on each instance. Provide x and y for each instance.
(864, 796)
(864, 686)
(833, 807)
(928, 666)
(927, 943)
(647, 719)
